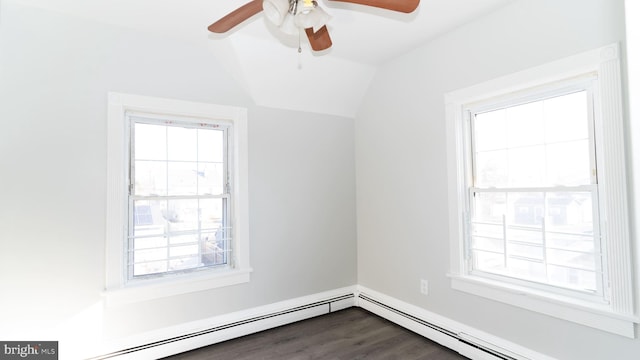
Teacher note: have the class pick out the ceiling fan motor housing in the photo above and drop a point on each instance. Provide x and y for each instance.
(291, 16)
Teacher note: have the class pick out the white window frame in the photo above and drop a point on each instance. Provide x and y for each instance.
(120, 290)
(560, 88)
(617, 313)
(226, 127)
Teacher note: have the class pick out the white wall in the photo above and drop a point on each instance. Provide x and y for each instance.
(55, 72)
(402, 175)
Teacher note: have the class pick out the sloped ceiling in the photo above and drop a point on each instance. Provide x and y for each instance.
(267, 64)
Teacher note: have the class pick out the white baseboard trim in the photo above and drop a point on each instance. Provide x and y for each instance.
(468, 341)
(185, 337)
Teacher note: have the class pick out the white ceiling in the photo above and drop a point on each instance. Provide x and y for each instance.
(363, 38)
(359, 33)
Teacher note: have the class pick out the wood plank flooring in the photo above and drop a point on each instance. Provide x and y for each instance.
(348, 334)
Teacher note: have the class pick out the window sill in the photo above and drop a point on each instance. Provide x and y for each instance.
(597, 316)
(144, 290)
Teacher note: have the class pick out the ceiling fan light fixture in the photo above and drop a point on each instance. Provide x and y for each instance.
(315, 18)
(276, 10)
(306, 6)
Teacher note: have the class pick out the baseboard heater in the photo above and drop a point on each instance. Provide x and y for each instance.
(460, 337)
(255, 319)
(447, 332)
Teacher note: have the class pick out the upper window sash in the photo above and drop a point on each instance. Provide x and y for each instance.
(584, 83)
(152, 119)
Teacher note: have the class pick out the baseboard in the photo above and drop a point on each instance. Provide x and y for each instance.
(468, 341)
(189, 336)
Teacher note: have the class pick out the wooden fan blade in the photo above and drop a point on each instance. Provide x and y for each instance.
(236, 17)
(319, 40)
(405, 6)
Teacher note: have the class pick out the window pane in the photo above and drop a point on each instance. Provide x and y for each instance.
(211, 213)
(572, 278)
(150, 268)
(180, 251)
(210, 178)
(526, 236)
(488, 261)
(215, 247)
(150, 218)
(182, 143)
(566, 118)
(549, 237)
(179, 234)
(546, 143)
(526, 251)
(571, 259)
(493, 231)
(491, 168)
(210, 145)
(186, 255)
(526, 209)
(487, 237)
(490, 131)
(182, 178)
(526, 166)
(184, 263)
(150, 178)
(570, 212)
(489, 244)
(568, 163)
(142, 215)
(570, 242)
(525, 125)
(489, 206)
(150, 142)
(182, 240)
(150, 255)
(147, 243)
(182, 215)
(527, 269)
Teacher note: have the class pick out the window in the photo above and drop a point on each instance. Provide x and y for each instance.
(533, 195)
(538, 205)
(177, 197)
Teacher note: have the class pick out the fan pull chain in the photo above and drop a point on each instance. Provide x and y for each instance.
(299, 51)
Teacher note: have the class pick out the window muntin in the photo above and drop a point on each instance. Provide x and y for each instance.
(179, 197)
(533, 197)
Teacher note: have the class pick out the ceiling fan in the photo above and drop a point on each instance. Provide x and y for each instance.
(292, 16)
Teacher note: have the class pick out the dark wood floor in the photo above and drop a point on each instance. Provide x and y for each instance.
(348, 334)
